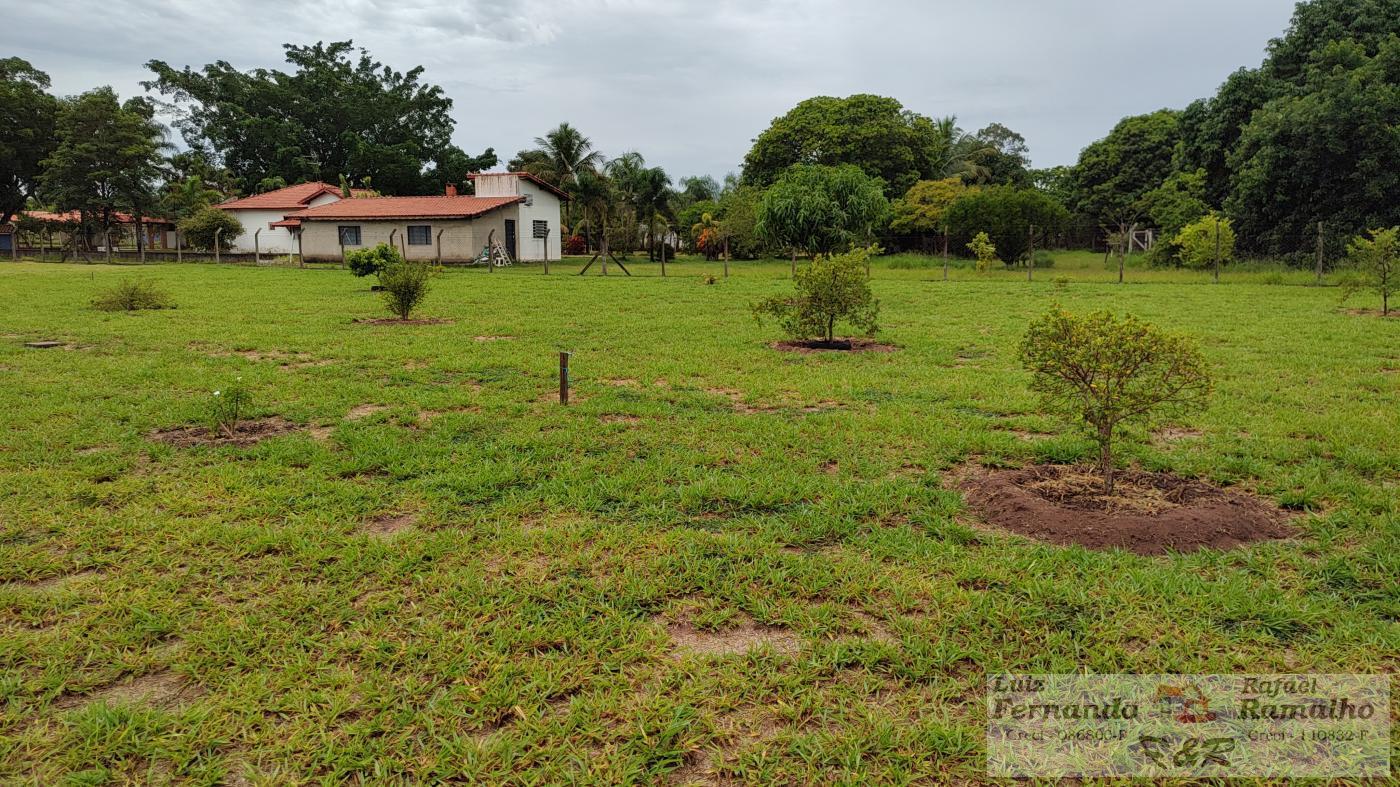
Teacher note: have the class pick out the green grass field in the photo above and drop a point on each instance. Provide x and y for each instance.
(722, 563)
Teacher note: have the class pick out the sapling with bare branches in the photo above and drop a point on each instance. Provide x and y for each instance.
(1105, 370)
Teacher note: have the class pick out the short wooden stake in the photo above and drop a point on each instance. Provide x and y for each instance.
(564, 378)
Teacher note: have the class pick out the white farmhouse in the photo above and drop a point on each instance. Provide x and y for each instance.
(260, 212)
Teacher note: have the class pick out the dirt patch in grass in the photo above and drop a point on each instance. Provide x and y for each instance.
(836, 345)
(621, 382)
(247, 432)
(748, 635)
(397, 321)
(360, 411)
(488, 338)
(426, 417)
(286, 360)
(388, 525)
(1149, 513)
(1373, 313)
(59, 582)
(620, 418)
(163, 689)
(1174, 434)
(1027, 435)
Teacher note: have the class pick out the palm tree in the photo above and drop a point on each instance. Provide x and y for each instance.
(959, 152)
(653, 199)
(569, 151)
(706, 233)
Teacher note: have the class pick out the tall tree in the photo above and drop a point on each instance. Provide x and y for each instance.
(1114, 173)
(1005, 156)
(873, 133)
(27, 114)
(337, 112)
(956, 153)
(822, 209)
(107, 158)
(568, 153)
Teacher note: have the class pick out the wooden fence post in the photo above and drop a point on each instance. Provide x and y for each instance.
(564, 378)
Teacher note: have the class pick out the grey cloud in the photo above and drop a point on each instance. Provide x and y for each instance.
(690, 83)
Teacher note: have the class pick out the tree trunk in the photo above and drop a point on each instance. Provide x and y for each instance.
(830, 330)
(793, 269)
(1106, 458)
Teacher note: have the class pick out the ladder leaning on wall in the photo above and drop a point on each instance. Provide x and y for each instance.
(495, 254)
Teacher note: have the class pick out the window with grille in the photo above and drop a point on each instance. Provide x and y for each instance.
(350, 236)
(420, 235)
(540, 229)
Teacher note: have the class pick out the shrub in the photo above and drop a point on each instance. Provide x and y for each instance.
(364, 262)
(1197, 242)
(832, 289)
(405, 286)
(1006, 214)
(1376, 264)
(1107, 370)
(198, 230)
(982, 248)
(1043, 259)
(575, 244)
(133, 296)
(227, 406)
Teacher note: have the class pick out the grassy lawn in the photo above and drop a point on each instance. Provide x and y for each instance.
(721, 563)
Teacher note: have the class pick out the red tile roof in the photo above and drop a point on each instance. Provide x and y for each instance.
(538, 181)
(289, 198)
(284, 223)
(374, 208)
(73, 216)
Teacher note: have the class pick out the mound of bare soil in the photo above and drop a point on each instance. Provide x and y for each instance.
(397, 321)
(1148, 513)
(835, 345)
(247, 433)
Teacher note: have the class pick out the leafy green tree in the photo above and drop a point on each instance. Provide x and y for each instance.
(1106, 370)
(821, 209)
(107, 158)
(1206, 240)
(199, 230)
(1179, 201)
(688, 217)
(1005, 156)
(336, 111)
(187, 197)
(1008, 215)
(924, 208)
(1115, 172)
(832, 290)
(371, 261)
(27, 117)
(983, 250)
(738, 210)
(1376, 265)
(405, 284)
(1057, 183)
(1325, 152)
(874, 133)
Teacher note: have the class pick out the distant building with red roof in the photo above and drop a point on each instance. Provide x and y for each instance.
(260, 214)
(515, 209)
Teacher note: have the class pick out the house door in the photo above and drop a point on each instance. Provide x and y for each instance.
(510, 238)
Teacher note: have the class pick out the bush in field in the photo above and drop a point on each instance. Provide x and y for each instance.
(366, 262)
(982, 248)
(1197, 242)
(133, 296)
(1376, 265)
(405, 286)
(1105, 370)
(831, 290)
(198, 230)
(1043, 259)
(820, 209)
(1008, 215)
(575, 244)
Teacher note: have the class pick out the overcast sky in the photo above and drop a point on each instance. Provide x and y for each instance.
(689, 84)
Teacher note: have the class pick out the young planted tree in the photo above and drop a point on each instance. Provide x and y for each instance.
(371, 261)
(1376, 265)
(1206, 242)
(405, 286)
(984, 250)
(832, 290)
(1106, 370)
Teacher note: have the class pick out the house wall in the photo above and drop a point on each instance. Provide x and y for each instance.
(273, 240)
(544, 206)
(462, 239)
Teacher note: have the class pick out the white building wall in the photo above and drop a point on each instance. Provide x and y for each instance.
(544, 206)
(272, 240)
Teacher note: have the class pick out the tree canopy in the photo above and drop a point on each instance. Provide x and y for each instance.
(1115, 172)
(873, 133)
(1008, 216)
(27, 116)
(821, 209)
(337, 112)
(924, 207)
